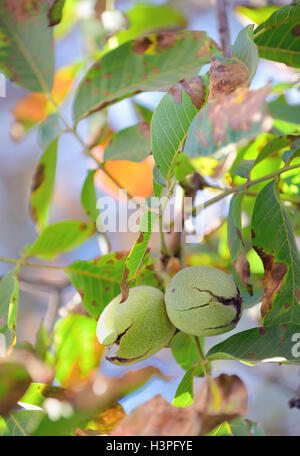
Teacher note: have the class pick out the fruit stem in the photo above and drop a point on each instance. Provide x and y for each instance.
(202, 360)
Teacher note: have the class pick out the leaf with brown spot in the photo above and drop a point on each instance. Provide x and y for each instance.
(226, 120)
(278, 38)
(172, 119)
(275, 243)
(186, 51)
(225, 78)
(272, 343)
(61, 237)
(98, 280)
(22, 23)
(42, 186)
(136, 257)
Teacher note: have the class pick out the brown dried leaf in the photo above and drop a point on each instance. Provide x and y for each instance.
(219, 399)
(101, 392)
(273, 279)
(195, 89)
(225, 78)
(242, 268)
(158, 417)
(239, 111)
(107, 420)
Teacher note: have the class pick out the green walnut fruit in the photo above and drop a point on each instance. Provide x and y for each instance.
(136, 328)
(203, 301)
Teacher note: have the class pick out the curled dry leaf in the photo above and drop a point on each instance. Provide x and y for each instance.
(273, 279)
(242, 267)
(101, 392)
(226, 77)
(195, 89)
(219, 399)
(238, 111)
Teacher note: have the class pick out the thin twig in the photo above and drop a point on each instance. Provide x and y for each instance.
(223, 26)
(202, 360)
(247, 184)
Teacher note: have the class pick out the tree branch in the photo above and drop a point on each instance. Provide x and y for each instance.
(223, 26)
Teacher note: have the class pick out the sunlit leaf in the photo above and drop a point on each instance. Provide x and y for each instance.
(184, 395)
(77, 350)
(61, 237)
(257, 15)
(145, 18)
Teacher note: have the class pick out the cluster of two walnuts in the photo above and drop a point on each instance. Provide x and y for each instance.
(199, 300)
